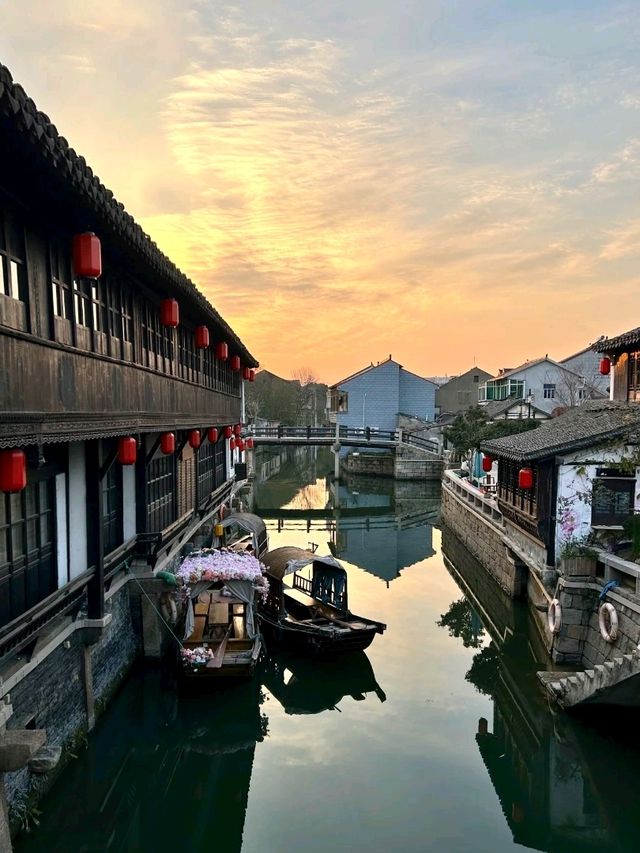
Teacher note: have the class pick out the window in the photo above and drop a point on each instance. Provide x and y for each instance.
(12, 255)
(613, 498)
(211, 461)
(61, 279)
(112, 533)
(81, 303)
(28, 571)
(160, 486)
(524, 500)
(476, 378)
(549, 391)
(633, 372)
(582, 394)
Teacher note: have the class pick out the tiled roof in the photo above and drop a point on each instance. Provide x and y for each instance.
(595, 422)
(619, 343)
(42, 148)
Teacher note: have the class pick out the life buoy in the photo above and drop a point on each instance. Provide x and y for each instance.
(169, 609)
(608, 613)
(554, 616)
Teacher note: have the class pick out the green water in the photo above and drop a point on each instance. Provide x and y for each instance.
(436, 739)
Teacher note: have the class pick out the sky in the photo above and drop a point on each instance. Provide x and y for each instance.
(446, 181)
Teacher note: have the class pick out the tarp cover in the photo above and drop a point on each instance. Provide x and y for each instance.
(285, 560)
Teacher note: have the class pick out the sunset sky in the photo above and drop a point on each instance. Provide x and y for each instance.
(442, 181)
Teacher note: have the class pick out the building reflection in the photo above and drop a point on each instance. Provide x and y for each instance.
(165, 771)
(307, 686)
(551, 772)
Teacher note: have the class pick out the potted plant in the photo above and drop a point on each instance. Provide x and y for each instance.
(577, 557)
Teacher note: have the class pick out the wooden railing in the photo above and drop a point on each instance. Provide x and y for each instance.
(346, 435)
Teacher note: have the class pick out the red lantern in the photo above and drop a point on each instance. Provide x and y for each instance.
(252, 375)
(87, 256)
(605, 366)
(168, 443)
(13, 470)
(127, 450)
(246, 373)
(169, 313)
(240, 444)
(487, 462)
(228, 432)
(194, 438)
(202, 337)
(235, 362)
(232, 444)
(212, 435)
(222, 351)
(249, 443)
(525, 478)
(237, 429)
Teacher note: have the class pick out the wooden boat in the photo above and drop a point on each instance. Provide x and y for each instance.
(311, 614)
(220, 635)
(244, 531)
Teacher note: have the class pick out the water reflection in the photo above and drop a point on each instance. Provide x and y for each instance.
(552, 773)
(304, 686)
(163, 771)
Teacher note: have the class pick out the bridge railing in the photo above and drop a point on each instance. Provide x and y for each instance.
(364, 434)
(423, 443)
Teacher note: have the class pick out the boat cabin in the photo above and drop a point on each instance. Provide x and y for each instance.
(316, 583)
(244, 531)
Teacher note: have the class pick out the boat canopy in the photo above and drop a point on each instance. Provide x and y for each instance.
(252, 524)
(285, 560)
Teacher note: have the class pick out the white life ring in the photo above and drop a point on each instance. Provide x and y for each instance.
(169, 609)
(610, 633)
(554, 616)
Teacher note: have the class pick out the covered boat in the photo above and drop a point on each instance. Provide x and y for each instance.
(245, 531)
(220, 635)
(311, 614)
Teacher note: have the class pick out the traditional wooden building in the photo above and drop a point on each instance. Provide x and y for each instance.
(120, 383)
(620, 358)
(571, 476)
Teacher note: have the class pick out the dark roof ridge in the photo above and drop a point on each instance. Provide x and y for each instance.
(54, 149)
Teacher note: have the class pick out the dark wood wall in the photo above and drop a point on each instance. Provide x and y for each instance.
(620, 377)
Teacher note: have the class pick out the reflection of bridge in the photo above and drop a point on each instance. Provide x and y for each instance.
(346, 519)
(346, 436)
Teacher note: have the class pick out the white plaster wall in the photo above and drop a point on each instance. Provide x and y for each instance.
(62, 551)
(77, 510)
(129, 501)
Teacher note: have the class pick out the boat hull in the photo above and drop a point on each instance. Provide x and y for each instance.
(304, 641)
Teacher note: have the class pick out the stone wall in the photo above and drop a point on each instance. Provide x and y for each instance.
(372, 464)
(53, 696)
(483, 540)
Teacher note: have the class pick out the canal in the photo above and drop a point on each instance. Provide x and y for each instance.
(436, 739)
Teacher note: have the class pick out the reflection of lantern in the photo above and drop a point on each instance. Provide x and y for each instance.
(525, 478)
(87, 257)
(222, 351)
(249, 443)
(228, 431)
(240, 444)
(237, 429)
(167, 443)
(194, 438)
(169, 313)
(202, 337)
(246, 373)
(232, 444)
(212, 435)
(605, 366)
(127, 450)
(13, 470)
(235, 362)
(252, 375)
(487, 462)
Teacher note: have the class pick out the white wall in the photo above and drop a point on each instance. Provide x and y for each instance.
(77, 510)
(62, 551)
(129, 501)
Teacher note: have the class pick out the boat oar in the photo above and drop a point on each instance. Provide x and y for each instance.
(216, 660)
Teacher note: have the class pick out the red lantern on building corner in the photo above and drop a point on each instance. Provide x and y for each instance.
(212, 435)
(87, 255)
(232, 444)
(13, 470)
(222, 351)
(605, 366)
(168, 443)
(246, 373)
(235, 363)
(487, 463)
(249, 443)
(202, 337)
(237, 430)
(252, 375)
(169, 313)
(240, 444)
(525, 478)
(228, 432)
(127, 450)
(194, 438)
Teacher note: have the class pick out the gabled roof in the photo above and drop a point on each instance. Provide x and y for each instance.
(375, 367)
(525, 366)
(484, 374)
(593, 423)
(498, 407)
(576, 354)
(32, 137)
(625, 341)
